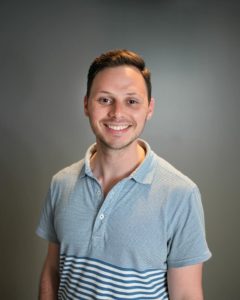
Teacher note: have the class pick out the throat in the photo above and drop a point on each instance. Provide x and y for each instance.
(110, 169)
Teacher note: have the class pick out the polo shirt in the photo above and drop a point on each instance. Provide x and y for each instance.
(121, 246)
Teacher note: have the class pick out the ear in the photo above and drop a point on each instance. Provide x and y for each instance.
(150, 108)
(86, 106)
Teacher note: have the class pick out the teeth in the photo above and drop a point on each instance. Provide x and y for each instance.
(118, 127)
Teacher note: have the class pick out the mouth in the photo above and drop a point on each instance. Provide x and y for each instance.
(117, 127)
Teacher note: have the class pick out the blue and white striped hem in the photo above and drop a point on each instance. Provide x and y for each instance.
(88, 278)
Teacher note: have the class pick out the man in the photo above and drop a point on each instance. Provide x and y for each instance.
(122, 223)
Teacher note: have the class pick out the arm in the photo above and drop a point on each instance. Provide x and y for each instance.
(185, 283)
(49, 281)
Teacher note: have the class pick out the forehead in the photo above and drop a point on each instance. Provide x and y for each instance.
(125, 78)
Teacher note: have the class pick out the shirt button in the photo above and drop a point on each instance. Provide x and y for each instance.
(101, 216)
(98, 193)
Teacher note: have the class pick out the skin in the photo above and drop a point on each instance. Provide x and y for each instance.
(118, 97)
(118, 109)
(49, 281)
(185, 283)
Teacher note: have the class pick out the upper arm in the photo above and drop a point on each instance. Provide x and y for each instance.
(185, 283)
(52, 258)
(50, 274)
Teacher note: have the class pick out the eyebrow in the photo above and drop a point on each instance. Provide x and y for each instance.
(109, 93)
(104, 92)
(132, 93)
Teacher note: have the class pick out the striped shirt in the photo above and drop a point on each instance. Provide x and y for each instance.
(121, 246)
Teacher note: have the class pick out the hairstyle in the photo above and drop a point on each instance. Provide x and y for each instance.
(117, 58)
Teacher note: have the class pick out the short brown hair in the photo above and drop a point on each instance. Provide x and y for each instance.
(117, 58)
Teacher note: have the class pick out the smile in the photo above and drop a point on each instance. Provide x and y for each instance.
(117, 127)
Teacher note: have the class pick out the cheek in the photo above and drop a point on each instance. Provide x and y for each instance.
(96, 114)
(141, 116)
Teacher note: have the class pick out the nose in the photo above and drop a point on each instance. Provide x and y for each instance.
(116, 110)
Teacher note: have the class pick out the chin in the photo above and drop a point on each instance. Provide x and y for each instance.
(117, 145)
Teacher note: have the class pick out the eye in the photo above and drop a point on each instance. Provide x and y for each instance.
(105, 100)
(132, 101)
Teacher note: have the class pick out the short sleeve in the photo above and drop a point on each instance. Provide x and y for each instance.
(187, 240)
(45, 228)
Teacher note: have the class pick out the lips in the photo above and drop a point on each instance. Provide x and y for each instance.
(117, 127)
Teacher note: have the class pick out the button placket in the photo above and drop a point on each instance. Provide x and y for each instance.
(101, 219)
(105, 209)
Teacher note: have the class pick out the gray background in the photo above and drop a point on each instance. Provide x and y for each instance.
(192, 49)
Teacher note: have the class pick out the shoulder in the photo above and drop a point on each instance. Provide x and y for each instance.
(182, 198)
(68, 174)
(177, 189)
(170, 176)
(65, 180)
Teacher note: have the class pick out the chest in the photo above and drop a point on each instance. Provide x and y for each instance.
(128, 224)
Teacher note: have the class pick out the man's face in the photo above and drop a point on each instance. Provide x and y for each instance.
(118, 106)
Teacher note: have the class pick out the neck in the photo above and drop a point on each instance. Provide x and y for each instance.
(110, 166)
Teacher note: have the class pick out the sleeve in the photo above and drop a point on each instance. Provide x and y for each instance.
(187, 241)
(45, 228)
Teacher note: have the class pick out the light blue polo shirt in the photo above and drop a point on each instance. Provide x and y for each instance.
(121, 247)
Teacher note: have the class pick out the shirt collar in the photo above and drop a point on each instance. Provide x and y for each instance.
(86, 170)
(145, 171)
(142, 174)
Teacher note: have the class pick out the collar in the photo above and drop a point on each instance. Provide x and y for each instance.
(143, 173)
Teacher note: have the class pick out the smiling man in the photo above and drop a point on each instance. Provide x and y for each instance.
(122, 223)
